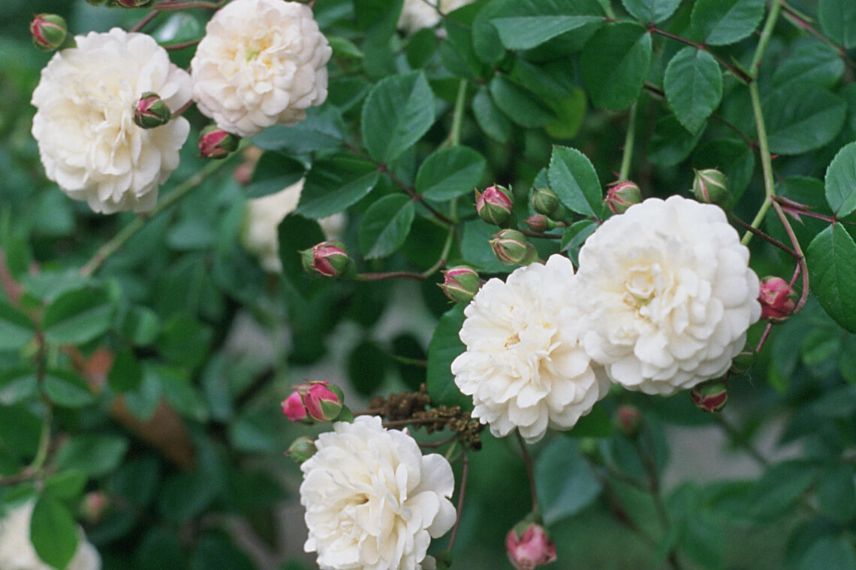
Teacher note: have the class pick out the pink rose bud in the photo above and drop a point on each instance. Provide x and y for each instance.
(133, 3)
(293, 408)
(48, 31)
(327, 258)
(216, 143)
(151, 111)
(323, 401)
(710, 397)
(93, 506)
(777, 299)
(529, 546)
(460, 284)
(494, 205)
(540, 223)
(711, 187)
(628, 418)
(621, 195)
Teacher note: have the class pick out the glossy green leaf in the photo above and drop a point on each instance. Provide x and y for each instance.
(651, 10)
(489, 118)
(444, 347)
(450, 172)
(386, 225)
(841, 182)
(367, 365)
(723, 22)
(802, 118)
(126, 372)
(832, 266)
(16, 329)
(615, 65)
(693, 85)
(565, 481)
(336, 183)
(830, 553)
(140, 326)
(671, 142)
(520, 105)
(399, 110)
(273, 173)
(836, 492)
(527, 32)
(67, 389)
(53, 532)
(574, 180)
(92, 454)
(809, 62)
(66, 485)
(838, 20)
(78, 316)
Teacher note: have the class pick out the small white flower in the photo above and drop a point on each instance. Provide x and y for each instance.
(419, 14)
(261, 62)
(670, 292)
(373, 501)
(17, 552)
(524, 365)
(84, 122)
(260, 234)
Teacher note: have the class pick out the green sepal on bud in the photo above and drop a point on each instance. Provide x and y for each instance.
(545, 201)
(301, 449)
(512, 248)
(711, 187)
(460, 284)
(710, 397)
(495, 204)
(151, 111)
(49, 31)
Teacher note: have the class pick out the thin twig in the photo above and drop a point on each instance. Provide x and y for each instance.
(736, 71)
(465, 473)
(530, 473)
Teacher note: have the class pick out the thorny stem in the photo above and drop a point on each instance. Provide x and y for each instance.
(801, 262)
(129, 231)
(629, 141)
(766, 162)
(465, 473)
(763, 235)
(764, 336)
(766, 34)
(530, 473)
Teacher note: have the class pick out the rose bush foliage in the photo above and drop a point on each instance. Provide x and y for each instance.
(145, 355)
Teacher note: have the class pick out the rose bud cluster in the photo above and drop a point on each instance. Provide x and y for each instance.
(49, 31)
(494, 204)
(512, 248)
(621, 195)
(710, 397)
(711, 187)
(216, 143)
(328, 259)
(151, 111)
(529, 546)
(314, 401)
(460, 284)
(777, 299)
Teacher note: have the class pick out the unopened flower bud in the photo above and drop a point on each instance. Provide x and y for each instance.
(293, 408)
(545, 201)
(711, 187)
(621, 195)
(540, 223)
(628, 418)
(494, 205)
(94, 505)
(216, 143)
(512, 248)
(743, 362)
(151, 111)
(529, 546)
(327, 258)
(710, 397)
(48, 31)
(133, 3)
(301, 449)
(314, 401)
(777, 299)
(460, 284)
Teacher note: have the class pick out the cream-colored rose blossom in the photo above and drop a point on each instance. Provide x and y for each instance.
(16, 548)
(260, 234)
(670, 293)
(373, 501)
(261, 63)
(524, 365)
(419, 14)
(84, 124)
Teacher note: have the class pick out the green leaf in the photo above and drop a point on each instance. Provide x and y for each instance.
(16, 329)
(140, 326)
(809, 62)
(527, 32)
(367, 366)
(78, 316)
(273, 173)
(565, 481)
(444, 347)
(17, 385)
(832, 266)
(476, 250)
(838, 20)
(836, 492)
(399, 110)
(841, 181)
(450, 172)
(723, 22)
(67, 485)
(802, 118)
(615, 65)
(518, 104)
(94, 455)
(651, 10)
(671, 142)
(386, 225)
(830, 553)
(126, 372)
(336, 183)
(489, 118)
(693, 85)
(53, 532)
(216, 550)
(67, 389)
(160, 548)
(574, 180)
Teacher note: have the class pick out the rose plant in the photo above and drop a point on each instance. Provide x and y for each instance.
(423, 284)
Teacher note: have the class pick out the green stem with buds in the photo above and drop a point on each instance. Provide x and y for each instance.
(629, 141)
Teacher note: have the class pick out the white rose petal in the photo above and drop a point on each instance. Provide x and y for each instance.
(524, 365)
(17, 552)
(84, 124)
(419, 14)
(670, 292)
(260, 234)
(261, 62)
(373, 501)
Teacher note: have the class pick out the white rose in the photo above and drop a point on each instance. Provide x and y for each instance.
(373, 501)
(261, 62)
(524, 365)
(84, 122)
(17, 552)
(260, 235)
(419, 14)
(670, 292)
